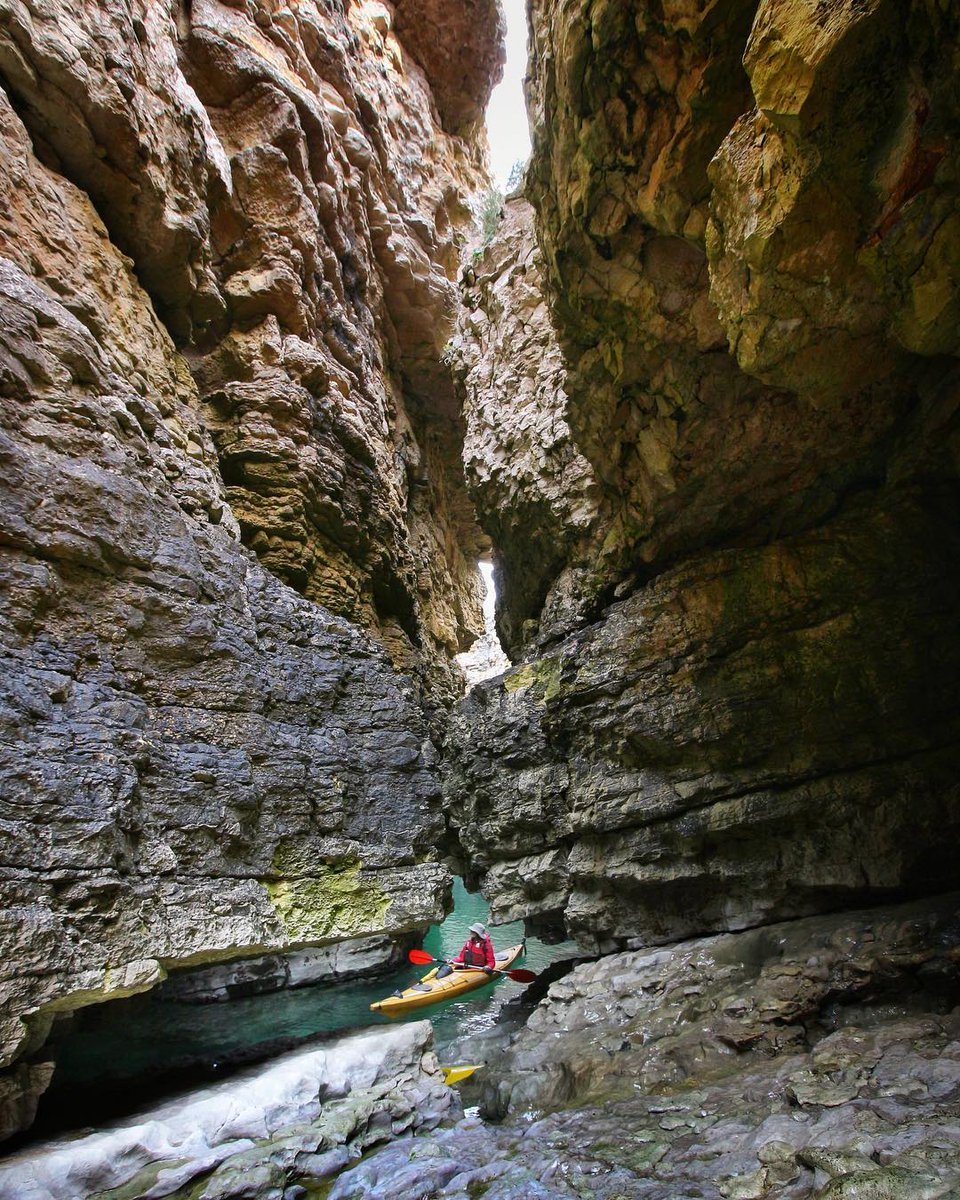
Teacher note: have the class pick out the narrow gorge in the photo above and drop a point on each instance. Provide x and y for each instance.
(269, 393)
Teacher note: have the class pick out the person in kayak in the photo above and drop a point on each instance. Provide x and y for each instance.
(477, 952)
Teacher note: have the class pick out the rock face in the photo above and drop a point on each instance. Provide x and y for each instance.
(740, 700)
(720, 242)
(460, 48)
(296, 1122)
(295, 216)
(231, 497)
(815, 1060)
(757, 734)
(652, 1020)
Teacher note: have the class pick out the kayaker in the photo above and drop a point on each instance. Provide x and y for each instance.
(477, 952)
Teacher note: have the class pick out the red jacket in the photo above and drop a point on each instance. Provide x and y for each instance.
(476, 952)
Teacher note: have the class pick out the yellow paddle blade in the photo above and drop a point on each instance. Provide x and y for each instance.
(455, 1074)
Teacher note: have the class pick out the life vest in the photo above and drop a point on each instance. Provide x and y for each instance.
(477, 956)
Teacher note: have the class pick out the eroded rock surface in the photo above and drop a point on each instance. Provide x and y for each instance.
(295, 214)
(351, 959)
(752, 711)
(232, 504)
(725, 196)
(755, 735)
(297, 1121)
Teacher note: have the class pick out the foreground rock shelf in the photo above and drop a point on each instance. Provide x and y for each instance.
(815, 1058)
(305, 1116)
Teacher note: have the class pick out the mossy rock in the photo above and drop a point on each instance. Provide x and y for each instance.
(331, 901)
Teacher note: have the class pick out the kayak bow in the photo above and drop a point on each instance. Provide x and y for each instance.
(452, 1075)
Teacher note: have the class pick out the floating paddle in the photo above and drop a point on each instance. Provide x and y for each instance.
(421, 957)
(453, 1075)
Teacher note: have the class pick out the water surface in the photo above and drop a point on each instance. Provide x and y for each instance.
(125, 1052)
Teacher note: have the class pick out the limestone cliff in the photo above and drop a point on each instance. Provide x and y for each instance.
(740, 698)
(294, 212)
(232, 503)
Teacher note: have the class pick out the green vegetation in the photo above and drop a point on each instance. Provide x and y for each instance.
(543, 676)
(331, 901)
(488, 213)
(515, 178)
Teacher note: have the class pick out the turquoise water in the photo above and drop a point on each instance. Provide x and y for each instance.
(477, 1011)
(151, 1037)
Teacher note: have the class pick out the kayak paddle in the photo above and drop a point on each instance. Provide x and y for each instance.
(453, 1075)
(421, 957)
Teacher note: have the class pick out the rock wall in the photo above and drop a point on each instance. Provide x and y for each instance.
(279, 179)
(232, 504)
(740, 697)
(535, 493)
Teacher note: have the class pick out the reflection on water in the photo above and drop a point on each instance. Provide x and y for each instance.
(160, 1036)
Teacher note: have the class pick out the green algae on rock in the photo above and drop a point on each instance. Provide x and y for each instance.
(332, 902)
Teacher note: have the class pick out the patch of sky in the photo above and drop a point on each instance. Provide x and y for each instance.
(507, 127)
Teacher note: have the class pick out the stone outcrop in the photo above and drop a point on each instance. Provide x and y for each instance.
(721, 242)
(295, 215)
(232, 505)
(293, 1123)
(816, 1060)
(460, 48)
(748, 708)
(653, 1020)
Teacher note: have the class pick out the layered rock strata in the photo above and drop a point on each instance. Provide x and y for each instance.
(227, 239)
(757, 734)
(295, 214)
(335, 963)
(738, 205)
(742, 706)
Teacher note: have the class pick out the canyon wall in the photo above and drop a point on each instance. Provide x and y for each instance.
(236, 554)
(738, 700)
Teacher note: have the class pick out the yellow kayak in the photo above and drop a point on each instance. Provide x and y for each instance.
(431, 990)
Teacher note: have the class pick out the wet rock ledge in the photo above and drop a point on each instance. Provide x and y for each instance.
(305, 1116)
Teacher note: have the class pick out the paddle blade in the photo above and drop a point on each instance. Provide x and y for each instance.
(521, 975)
(421, 957)
(455, 1074)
